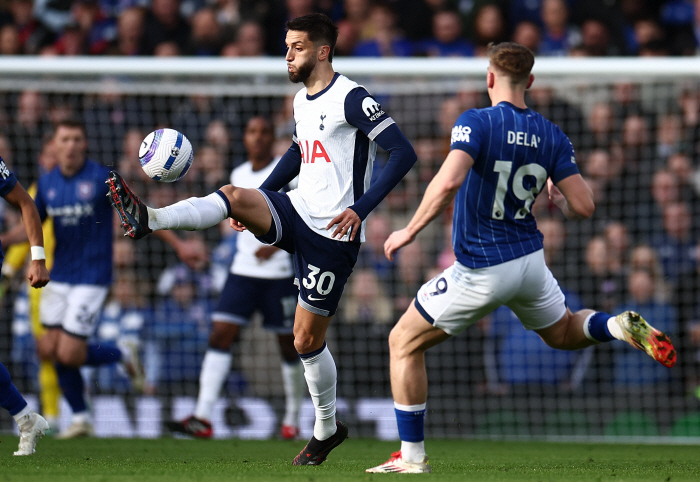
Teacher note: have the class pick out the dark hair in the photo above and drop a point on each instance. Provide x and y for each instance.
(511, 59)
(70, 123)
(320, 29)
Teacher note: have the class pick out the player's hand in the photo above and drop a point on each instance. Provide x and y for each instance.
(236, 225)
(347, 221)
(395, 241)
(265, 252)
(37, 274)
(555, 194)
(193, 252)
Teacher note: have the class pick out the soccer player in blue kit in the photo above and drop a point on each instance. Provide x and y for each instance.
(74, 195)
(32, 426)
(322, 222)
(500, 159)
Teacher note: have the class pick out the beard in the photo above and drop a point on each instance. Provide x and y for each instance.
(303, 72)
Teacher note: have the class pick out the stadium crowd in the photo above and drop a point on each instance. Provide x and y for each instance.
(435, 28)
(639, 251)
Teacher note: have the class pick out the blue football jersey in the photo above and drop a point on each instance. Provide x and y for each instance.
(82, 218)
(514, 150)
(7, 183)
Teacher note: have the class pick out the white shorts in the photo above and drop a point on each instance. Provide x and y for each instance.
(461, 296)
(72, 307)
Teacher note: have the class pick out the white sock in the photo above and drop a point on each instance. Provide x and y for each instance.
(191, 214)
(321, 376)
(615, 328)
(215, 368)
(26, 410)
(294, 391)
(413, 451)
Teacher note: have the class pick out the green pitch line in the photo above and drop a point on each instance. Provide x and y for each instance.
(171, 460)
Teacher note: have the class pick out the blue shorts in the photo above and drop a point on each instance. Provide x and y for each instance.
(321, 265)
(276, 299)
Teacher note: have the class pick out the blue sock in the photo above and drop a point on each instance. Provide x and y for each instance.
(10, 398)
(411, 424)
(102, 354)
(71, 382)
(597, 327)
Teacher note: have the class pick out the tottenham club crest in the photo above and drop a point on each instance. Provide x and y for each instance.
(321, 127)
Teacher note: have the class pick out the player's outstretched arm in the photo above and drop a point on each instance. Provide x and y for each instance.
(439, 194)
(573, 196)
(37, 274)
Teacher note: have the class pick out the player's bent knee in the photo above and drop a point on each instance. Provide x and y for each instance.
(70, 359)
(306, 343)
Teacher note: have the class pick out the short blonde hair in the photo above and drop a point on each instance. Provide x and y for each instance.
(512, 60)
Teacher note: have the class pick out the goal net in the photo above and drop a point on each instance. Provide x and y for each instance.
(635, 125)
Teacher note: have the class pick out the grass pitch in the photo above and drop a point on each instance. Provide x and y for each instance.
(236, 460)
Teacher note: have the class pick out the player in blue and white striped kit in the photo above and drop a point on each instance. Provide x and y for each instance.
(32, 426)
(500, 159)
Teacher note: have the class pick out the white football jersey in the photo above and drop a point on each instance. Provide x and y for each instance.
(335, 131)
(245, 263)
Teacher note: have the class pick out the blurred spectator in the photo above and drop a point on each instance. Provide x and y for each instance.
(558, 35)
(647, 31)
(371, 255)
(489, 26)
(669, 135)
(163, 23)
(603, 284)
(249, 42)
(676, 246)
(129, 33)
(206, 33)
(348, 36)
(32, 35)
(644, 258)
(601, 127)
(528, 34)
(26, 133)
(366, 301)
(447, 40)
(631, 367)
(595, 38)
(388, 40)
(109, 115)
(176, 336)
(217, 134)
(9, 40)
(544, 100)
(197, 111)
(167, 49)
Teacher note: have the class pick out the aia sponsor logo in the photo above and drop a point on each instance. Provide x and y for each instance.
(312, 151)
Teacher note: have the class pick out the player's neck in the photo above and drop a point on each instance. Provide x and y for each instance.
(258, 164)
(513, 97)
(320, 78)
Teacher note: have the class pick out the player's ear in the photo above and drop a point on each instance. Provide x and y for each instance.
(530, 81)
(490, 79)
(323, 52)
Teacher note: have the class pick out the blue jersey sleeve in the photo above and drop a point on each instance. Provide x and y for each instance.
(7, 179)
(286, 169)
(466, 133)
(564, 163)
(365, 113)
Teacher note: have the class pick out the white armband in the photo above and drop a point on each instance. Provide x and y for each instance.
(38, 253)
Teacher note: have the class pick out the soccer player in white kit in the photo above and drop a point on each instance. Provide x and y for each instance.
(321, 223)
(261, 279)
(500, 159)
